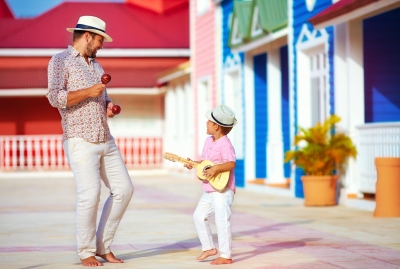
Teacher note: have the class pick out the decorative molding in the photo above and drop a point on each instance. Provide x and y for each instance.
(232, 63)
(309, 39)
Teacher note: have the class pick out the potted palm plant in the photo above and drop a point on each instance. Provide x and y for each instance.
(323, 154)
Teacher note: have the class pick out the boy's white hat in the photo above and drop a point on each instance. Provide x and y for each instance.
(92, 24)
(222, 115)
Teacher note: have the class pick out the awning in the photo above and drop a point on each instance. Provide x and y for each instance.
(346, 10)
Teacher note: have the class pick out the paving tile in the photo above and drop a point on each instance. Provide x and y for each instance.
(37, 229)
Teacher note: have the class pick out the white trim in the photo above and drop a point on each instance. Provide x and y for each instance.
(111, 91)
(262, 41)
(174, 75)
(358, 13)
(236, 37)
(256, 22)
(102, 53)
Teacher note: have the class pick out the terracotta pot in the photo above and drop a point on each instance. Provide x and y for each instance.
(319, 190)
(387, 195)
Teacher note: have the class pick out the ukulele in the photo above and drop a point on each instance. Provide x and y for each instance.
(218, 182)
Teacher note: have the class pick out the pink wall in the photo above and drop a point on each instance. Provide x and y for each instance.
(203, 60)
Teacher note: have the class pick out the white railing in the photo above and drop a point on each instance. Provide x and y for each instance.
(375, 140)
(45, 152)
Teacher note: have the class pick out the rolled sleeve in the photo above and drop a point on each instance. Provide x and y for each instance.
(57, 77)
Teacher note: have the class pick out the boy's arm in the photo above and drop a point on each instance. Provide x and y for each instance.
(189, 166)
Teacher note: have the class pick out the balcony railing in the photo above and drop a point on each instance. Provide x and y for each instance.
(45, 152)
(375, 140)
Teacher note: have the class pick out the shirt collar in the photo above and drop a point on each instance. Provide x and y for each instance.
(76, 53)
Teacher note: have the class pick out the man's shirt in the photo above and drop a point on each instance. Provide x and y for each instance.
(68, 71)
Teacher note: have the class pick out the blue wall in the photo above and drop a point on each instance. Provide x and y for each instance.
(260, 114)
(382, 67)
(300, 17)
(227, 10)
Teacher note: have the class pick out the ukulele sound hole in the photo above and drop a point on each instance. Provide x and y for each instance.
(206, 168)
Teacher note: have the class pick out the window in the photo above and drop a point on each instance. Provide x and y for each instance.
(318, 77)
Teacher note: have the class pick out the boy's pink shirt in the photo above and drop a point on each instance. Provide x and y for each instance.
(220, 151)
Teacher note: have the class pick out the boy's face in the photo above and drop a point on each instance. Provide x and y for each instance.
(211, 127)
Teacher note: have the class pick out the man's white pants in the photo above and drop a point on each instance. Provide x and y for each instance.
(218, 204)
(91, 163)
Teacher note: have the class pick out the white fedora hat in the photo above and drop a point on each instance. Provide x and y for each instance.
(92, 24)
(222, 115)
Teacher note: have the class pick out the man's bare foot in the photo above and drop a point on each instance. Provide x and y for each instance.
(110, 258)
(221, 260)
(207, 253)
(91, 261)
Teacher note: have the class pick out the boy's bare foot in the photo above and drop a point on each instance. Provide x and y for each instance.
(220, 260)
(207, 253)
(110, 258)
(91, 261)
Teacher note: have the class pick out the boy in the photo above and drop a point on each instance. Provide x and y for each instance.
(218, 149)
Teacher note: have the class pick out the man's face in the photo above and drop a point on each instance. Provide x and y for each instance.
(94, 45)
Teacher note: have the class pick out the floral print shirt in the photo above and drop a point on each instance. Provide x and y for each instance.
(68, 71)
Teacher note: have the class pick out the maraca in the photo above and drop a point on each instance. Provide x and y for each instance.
(105, 78)
(116, 109)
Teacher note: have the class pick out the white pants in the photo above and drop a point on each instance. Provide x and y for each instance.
(91, 163)
(218, 204)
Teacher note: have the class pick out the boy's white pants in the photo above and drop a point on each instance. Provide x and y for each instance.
(91, 163)
(218, 204)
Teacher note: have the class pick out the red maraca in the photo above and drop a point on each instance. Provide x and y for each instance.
(105, 78)
(116, 109)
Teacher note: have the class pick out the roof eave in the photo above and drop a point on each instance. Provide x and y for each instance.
(178, 52)
(320, 20)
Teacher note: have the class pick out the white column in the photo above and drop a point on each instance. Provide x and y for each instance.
(355, 90)
(274, 140)
(249, 144)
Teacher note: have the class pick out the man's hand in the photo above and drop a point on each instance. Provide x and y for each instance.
(109, 111)
(96, 90)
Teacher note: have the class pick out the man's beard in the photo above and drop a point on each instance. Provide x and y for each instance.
(90, 51)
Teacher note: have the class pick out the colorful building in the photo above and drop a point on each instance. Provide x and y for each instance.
(280, 65)
(284, 64)
(147, 41)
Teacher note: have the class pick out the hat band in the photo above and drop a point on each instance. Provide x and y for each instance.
(220, 123)
(87, 27)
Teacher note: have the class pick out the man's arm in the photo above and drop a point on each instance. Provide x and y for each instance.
(80, 95)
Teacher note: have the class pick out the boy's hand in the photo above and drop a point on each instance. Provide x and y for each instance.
(211, 172)
(188, 166)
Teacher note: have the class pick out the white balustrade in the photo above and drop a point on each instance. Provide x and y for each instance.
(45, 152)
(375, 140)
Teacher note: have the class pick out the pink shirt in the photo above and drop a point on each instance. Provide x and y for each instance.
(220, 151)
(68, 71)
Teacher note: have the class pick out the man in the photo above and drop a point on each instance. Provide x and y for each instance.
(75, 88)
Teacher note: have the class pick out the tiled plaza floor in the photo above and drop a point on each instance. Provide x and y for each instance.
(37, 229)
